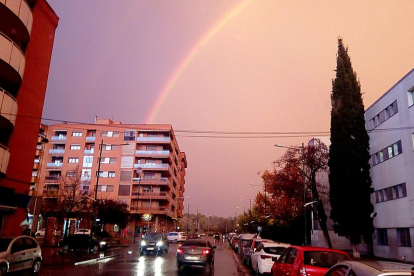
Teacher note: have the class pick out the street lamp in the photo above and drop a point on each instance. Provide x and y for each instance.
(303, 177)
(139, 172)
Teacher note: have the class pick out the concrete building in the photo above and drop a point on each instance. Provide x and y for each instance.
(141, 165)
(27, 31)
(390, 123)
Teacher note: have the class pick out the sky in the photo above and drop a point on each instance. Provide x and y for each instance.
(254, 67)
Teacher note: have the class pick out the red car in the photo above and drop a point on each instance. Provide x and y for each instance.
(307, 261)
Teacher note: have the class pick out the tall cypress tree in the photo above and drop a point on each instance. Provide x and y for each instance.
(349, 176)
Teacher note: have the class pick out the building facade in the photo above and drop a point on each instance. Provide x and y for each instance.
(27, 31)
(140, 165)
(390, 124)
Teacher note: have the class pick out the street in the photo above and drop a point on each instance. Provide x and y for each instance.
(129, 262)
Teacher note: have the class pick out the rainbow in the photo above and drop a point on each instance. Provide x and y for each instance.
(187, 60)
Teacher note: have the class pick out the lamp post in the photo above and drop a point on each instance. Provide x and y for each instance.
(303, 178)
(139, 172)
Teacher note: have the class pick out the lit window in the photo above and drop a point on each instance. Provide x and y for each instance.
(73, 160)
(76, 134)
(75, 147)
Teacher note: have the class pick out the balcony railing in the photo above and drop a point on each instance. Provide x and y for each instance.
(58, 138)
(54, 165)
(88, 151)
(22, 10)
(8, 106)
(56, 151)
(90, 138)
(151, 166)
(11, 54)
(154, 139)
(4, 158)
(155, 196)
(161, 180)
(52, 177)
(156, 153)
(50, 193)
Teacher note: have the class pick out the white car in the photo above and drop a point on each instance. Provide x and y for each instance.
(262, 259)
(40, 232)
(22, 252)
(82, 232)
(176, 237)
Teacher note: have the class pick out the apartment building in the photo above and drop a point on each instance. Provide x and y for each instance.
(27, 31)
(141, 165)
(390, 124)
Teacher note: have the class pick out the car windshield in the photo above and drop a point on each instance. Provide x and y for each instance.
(277, 250)
(323, 258)
(4, 244)
(199, 243)
(153, 236)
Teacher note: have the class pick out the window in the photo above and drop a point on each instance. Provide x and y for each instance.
(87, 161)
(110, 147)
(125, 176)
(106, 188)
(111, 174)
(108, 160)
(73, 160)
(384, 115)
(74, 147)
(403, 235)
(129, 135)
(390, 193)
(387, 153)
(76, 134)
(71, 173)
(410, 95)
(124, 190)
(382, 236)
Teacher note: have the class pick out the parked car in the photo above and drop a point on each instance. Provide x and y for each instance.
(82, 232)
(243, 242)
(154, 242)
(266, 253)
(307, 260)
(82, 242)
(234, 243)
(253, 244)
(176, 237)
(196, 252)
(370, 268)
(22, 252)
(40, 232)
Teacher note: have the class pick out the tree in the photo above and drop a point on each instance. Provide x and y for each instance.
(112, 212)
(349, 175)
(295, 171)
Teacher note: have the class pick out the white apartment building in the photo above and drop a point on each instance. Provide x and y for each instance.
(390, 124)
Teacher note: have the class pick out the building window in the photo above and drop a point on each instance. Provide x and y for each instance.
(74, 147)
(387, 153)
(382, 236)
(124, 190)
(111, 174)
(108, 160)
(403, 235)
(410, 95)
(110, 147)
(73, 160)
(76, 134)
(390, 193)
(71, 173)
(129, 135)
(87, 161)
(384, 115)
(106, 188)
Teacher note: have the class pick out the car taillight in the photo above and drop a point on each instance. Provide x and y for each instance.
(180, 251)
(205, 252)
(265, 257)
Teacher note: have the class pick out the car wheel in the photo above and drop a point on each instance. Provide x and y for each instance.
(36, 266)
(3, 270)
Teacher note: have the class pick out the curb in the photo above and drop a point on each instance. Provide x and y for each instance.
(241, 269)
(93, 261)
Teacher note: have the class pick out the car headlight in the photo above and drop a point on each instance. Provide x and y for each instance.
(102, 243)
(160, 243)
(143, 243)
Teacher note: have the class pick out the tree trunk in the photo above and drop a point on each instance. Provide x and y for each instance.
(321, 216)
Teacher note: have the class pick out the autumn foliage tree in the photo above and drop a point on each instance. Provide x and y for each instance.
(297, 170)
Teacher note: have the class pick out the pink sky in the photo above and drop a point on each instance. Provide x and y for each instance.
(265, 67)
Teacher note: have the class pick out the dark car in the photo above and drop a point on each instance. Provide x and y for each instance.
(82, 242)
(196, 253)
(154, 242)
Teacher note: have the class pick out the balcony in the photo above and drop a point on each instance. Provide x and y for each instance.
(4, 158)
(152, 166)
(152, 196)
(56, 151)
(154, 140)
(152, 181)
(8, 107)
(54, 165)
(52, 178)
(88, 151)
(90, 138)
(60, 138)
(50, 193)
(160, 210)
(153, 153)
(12, 67)
(22, 11)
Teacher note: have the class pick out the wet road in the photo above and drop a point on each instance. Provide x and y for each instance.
(131, 263)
